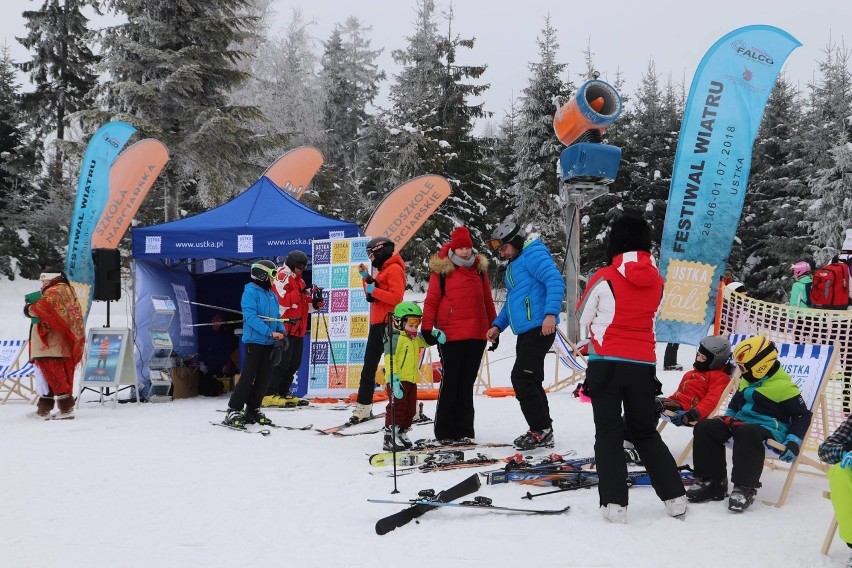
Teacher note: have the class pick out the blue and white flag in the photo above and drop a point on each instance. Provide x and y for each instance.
(710, 174)
(92, 193)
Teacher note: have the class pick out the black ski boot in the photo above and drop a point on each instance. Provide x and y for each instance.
(535, 439)
(257, 417)
(741, 498)
(707, 490)
(235, 419)
(392, 441)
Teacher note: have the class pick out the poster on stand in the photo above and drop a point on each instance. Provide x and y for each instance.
(339, 330)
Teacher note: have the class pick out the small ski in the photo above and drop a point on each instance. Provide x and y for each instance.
(373, 431)
(463, 489)
(479, 502)
(408, 458)
(263, 432)
(345, 425)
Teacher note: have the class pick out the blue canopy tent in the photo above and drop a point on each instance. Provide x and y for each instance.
(205, 259)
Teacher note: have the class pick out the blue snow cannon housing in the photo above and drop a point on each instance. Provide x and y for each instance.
(590, 162)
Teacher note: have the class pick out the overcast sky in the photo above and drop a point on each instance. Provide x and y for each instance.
(624, 35)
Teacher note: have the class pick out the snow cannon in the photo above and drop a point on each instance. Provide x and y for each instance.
(586, 116)
(586, 164)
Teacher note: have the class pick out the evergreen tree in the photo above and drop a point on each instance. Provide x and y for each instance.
(171, 67)
(828, 140)
(62, 70)
(350, 79)
(535, 190)
(776, 201)
(431, 127)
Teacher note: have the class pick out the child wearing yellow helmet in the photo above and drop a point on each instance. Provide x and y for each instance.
(767, 405)
(404, 342)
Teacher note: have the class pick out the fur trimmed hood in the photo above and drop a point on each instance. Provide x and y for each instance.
(441, 264)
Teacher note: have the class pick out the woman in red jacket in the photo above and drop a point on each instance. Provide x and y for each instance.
(459, 302)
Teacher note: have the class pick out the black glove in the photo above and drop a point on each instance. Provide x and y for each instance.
(316, 298)
(278, 350)
(495, 344)
(685, 417)
(428, 337)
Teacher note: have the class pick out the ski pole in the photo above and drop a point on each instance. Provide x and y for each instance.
(267, 318)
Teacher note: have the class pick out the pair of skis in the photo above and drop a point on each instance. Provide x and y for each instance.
(428, 500)
(265, 431)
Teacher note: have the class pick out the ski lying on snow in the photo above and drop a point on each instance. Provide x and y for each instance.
(479, 461)
(307, 427)
(408, 458)
(463, 489)
(482, 503)
(263, 432)
(426, 445)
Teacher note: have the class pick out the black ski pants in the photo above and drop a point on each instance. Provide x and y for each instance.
(454, 413)
(251, 388)
(709, 437)
(372, 355)
(528, 377)
(611, 385)
(284, 373)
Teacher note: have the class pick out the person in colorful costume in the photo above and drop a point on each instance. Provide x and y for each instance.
(56, 342)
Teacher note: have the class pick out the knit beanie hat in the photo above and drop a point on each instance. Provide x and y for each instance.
(628, 233)
(460, 238)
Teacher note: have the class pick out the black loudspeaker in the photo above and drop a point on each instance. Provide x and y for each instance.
(107, 274)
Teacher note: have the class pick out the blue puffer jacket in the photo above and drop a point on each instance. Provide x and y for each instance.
(534, 289)
(257, 302)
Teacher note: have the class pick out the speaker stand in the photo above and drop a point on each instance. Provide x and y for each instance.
(107, 324)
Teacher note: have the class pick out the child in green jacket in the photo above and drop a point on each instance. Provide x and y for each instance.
(402, 361)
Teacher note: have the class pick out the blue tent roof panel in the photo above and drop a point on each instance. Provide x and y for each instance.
(263, 221)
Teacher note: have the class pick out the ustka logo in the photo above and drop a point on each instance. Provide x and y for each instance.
(752, 53)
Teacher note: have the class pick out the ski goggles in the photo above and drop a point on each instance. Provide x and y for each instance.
(410, 320)
(495, 244)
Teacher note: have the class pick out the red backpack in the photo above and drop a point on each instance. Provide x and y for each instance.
(830, 288)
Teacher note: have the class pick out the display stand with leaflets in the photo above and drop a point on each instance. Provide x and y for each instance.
(161, 361)
(108, 363)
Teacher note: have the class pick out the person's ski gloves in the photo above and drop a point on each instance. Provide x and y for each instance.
(793, 443)
(396, 386)
(439, 336)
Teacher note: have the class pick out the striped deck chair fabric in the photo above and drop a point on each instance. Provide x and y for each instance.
(569, 358)
(809, 366)
(17, 381)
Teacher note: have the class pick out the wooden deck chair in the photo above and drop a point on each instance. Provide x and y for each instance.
(832, 529)
(809, 366)
(17, 380)
(483, 376)
(424, 369)
(570, 358)
(724, 399)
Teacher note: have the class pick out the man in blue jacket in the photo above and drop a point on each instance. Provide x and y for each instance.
(534, 292)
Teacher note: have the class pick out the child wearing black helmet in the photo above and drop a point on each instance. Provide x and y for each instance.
(699, 390)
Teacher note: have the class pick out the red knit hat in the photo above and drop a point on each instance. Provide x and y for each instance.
(460, 238)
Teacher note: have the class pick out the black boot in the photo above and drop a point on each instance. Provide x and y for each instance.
(707, 490)
(741, 498)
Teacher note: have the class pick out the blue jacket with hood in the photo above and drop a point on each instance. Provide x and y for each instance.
(534, 289)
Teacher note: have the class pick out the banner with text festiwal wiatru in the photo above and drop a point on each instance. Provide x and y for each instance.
(710, 174)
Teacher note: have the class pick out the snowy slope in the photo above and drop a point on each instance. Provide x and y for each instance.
(156, 485)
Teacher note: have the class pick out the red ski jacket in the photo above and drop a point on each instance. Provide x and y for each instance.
(464, 309)
(701, 390)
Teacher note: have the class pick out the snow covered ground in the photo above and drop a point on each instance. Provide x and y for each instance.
(156, 485)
